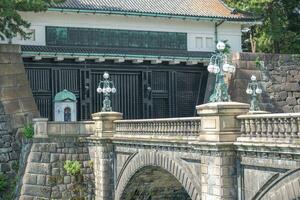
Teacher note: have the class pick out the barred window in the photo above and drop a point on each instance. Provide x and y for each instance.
(70, 36)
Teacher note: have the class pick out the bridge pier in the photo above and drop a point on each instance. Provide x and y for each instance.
(219, 130)
(104, 154)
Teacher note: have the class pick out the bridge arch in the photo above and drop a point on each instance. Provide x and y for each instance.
(285, 186)
(164, 161)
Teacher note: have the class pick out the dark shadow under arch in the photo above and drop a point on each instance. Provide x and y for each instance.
(154, 183)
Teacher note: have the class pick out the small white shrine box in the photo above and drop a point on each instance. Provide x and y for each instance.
(65, 107)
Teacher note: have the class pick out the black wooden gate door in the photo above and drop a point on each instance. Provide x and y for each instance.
(145, 92)
(172, 93)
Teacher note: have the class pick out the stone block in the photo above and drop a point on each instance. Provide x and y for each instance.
(39, 168)
(8, 81)
(4, 167)
(28, 104)
(11, 107)
(293, 87)
(10, 48)
(45, 157)
(19, 119)
(297, 108)
(55, 171)
(287, 109)
(41, 180)
(24, 91)
(11, 69)
(54, 158)
(291, 101)
(283, 95)
(35, 190)
(30, 179)
(67, 180)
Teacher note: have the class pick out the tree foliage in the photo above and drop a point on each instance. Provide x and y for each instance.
(280, 28)
(11, 22)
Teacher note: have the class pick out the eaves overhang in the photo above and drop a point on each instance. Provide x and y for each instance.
(244, 20)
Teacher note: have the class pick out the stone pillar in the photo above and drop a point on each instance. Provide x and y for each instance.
(40, 127)
(104, 154)
(219, 122)
(105, 127)
(219, 129)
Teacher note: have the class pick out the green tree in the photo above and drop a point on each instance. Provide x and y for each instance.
(280, 28)
(11, 22)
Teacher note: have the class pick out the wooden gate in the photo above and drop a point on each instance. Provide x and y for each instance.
(143, 91)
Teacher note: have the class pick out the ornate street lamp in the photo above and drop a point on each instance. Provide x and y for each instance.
(106, 87)
(253, 89)
(219, 65)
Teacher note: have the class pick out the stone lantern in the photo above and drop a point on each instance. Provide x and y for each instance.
(65, 107)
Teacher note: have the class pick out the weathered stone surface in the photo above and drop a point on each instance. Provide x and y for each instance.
(291, 101)
(280, 81)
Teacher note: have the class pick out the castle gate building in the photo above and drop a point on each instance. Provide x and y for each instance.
(156, 53)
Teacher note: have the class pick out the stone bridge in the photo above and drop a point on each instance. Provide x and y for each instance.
(225, 153)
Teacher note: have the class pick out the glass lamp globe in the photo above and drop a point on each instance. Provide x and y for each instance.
(108, 89)
(104, 90)
(253, 78)
(210, 68)
(249, 91)
(258, 90)
(221, 46)
(99, 90)
(226, 67)
(113, 90)
(216, 69)
(105, 75)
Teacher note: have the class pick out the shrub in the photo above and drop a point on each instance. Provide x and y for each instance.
(4, 183)
(72, 167)
(28, 130)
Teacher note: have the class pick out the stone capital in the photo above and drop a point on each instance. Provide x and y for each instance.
(104, 123)
(219, 122)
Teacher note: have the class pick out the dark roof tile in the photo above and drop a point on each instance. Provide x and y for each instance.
(192, 8)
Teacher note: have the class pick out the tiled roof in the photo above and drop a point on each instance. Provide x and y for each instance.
(188, 8)
(114, 51)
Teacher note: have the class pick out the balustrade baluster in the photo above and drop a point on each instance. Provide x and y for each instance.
(181, 130)
(252, 128)
(288, 127)
(281, 128)
(263, 128)
(294, 127)
(258, 124)
(298, 124)
(275, 128)
(269, 128)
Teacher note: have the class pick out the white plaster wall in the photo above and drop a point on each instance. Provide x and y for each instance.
(59, 108)
(230, 31)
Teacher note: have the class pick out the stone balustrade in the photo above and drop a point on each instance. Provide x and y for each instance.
(280, 126)
(176, 128)
(43, 128)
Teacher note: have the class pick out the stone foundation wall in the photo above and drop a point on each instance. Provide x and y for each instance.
(279, 76)
(17, 107)
(45, 176)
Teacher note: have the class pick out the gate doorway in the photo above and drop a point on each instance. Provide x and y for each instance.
(143, 90)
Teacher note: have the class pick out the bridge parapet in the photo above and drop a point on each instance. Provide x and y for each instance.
(279, 127)
(43, 128)
(169, 128)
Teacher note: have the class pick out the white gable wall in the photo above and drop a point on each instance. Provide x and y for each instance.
(197, 30)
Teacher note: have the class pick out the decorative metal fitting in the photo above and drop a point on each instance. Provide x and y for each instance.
(106, 87)
(253, 90)
(219, 65)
